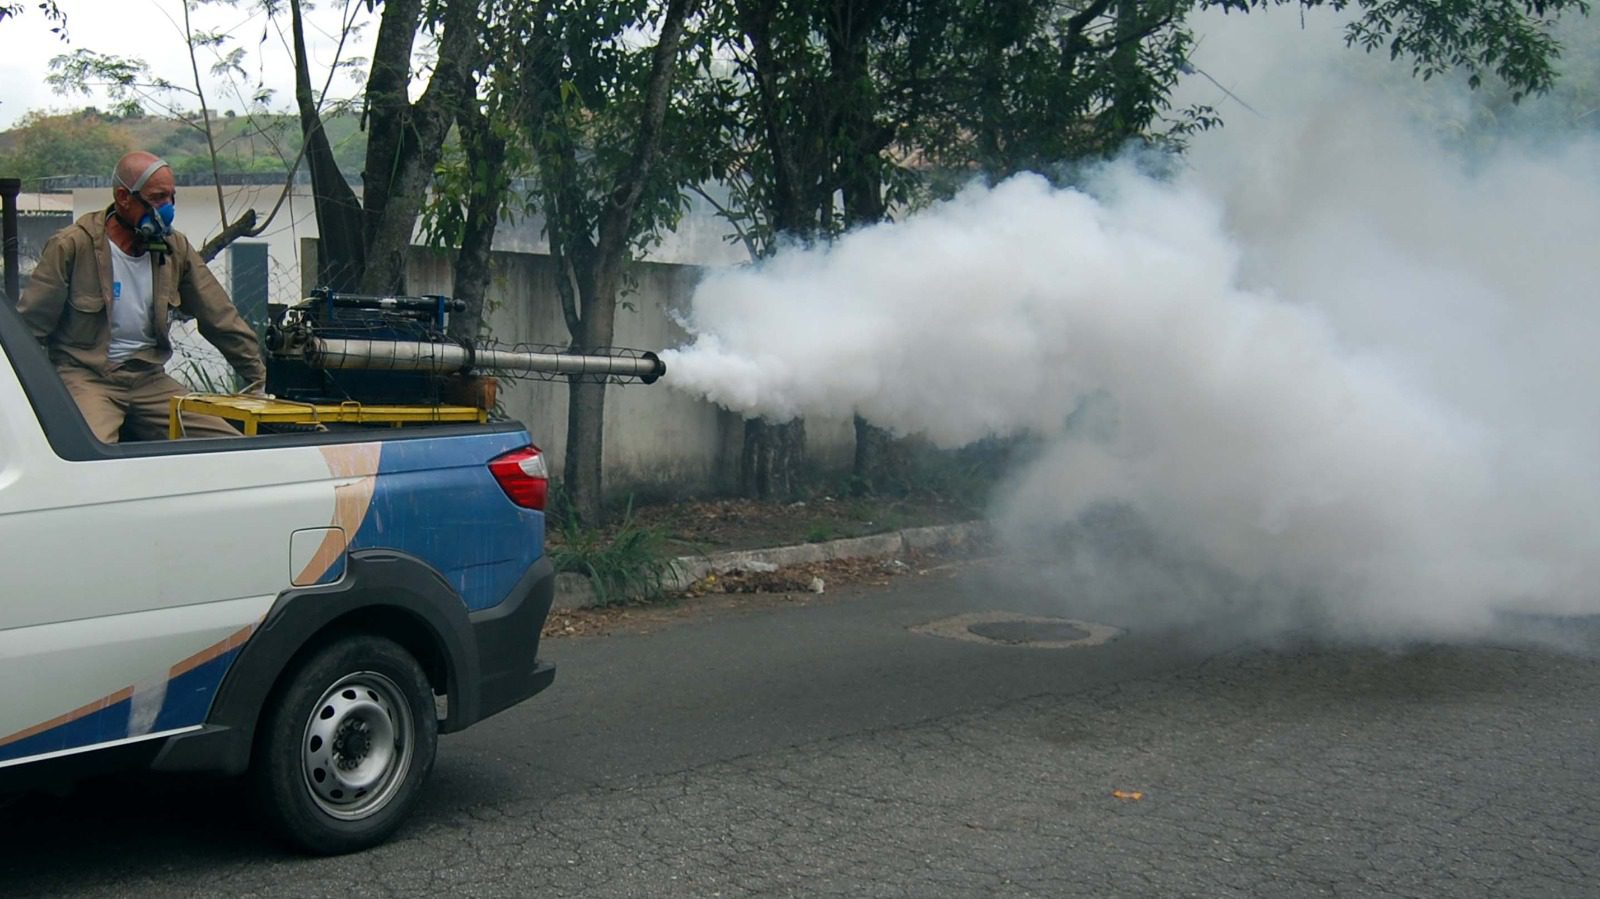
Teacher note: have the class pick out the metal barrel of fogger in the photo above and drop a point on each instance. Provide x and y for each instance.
(444, 357)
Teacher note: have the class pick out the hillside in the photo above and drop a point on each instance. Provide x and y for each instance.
(88, 143)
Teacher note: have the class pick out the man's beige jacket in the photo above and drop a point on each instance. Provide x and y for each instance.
(67, 301)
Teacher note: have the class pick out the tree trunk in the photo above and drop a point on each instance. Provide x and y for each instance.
(879, 462)
(406, 139)
(586, 404)
(1122, 119)
(771, 464)
(599, 267)
(341, 249)
(484, 149)
(583, 474)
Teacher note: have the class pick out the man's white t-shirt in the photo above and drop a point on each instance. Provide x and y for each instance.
(131, 295)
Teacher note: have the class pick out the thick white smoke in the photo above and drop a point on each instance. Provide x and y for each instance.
(1336, 366)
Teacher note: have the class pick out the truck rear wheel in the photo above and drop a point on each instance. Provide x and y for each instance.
(345, 744)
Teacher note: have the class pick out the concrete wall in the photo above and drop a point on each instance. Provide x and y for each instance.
(657, 440)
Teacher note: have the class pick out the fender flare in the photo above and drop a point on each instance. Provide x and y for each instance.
(379, 583)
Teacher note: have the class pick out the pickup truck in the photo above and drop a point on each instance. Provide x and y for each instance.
(310, 610)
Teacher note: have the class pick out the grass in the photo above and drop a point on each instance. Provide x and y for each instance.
(819, 533)
(632, 560)
(628, 563)
(203, 380)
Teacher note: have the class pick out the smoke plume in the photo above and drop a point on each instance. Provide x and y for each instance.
(1338, 371)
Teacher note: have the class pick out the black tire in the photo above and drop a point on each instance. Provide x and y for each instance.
(345, 743)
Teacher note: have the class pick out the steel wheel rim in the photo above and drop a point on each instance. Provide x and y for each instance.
(357, 745)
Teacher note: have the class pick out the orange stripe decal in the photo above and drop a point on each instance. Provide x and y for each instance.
(216, 650)
(351, 500)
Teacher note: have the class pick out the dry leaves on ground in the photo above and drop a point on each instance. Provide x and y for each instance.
(795, 583)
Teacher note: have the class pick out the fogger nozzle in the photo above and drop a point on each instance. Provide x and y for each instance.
(448, 357)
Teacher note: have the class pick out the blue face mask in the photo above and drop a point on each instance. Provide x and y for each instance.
(156, 223)
(157, 220)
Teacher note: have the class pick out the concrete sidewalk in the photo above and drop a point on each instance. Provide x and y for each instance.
(573, 591)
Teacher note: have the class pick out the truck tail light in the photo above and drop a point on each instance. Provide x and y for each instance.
(523, 476)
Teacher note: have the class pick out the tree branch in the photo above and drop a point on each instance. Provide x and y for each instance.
(731, 218)
(240, 228)
(1073, 42)
(663, 64)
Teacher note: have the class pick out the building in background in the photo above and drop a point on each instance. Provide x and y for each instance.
(39, 215)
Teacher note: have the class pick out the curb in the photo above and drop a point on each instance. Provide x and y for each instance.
(573, 591)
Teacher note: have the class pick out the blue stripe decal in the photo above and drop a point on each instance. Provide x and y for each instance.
(187, 701)
(103, 726)
(189, 694)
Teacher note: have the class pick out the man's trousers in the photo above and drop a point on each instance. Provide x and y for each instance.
(132, 401)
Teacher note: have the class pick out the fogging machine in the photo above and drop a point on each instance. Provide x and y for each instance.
(340, 347)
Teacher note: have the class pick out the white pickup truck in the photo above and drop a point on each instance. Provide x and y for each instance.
(293, 606)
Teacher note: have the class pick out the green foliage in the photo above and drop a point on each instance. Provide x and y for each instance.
(572, 83)
(199, 377)
(1571, 104)
(964, 478)
(11, 9)
(127, 80)
(967, 476)
(457, 178)
(921, 97)
(1510, 40)
(89, 142)
(820, 532)
(624, 563)
(44, 145)
(260, 141)
(1044, 84)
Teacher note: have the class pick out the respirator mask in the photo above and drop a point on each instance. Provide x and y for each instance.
(156, 223)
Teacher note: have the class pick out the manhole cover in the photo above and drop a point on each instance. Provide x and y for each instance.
(1013, 629)
(1028, 631)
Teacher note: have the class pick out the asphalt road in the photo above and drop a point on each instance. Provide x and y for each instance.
(828, 748)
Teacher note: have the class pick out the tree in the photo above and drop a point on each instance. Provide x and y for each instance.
(1034, 84)
(363, 242)
(809, 131)
(473, 181)
(12, 9)
(81, 143)
(486, 191)
(785, 174)
(593, 108)
(778, 167)
(130, 82)
(874, 104)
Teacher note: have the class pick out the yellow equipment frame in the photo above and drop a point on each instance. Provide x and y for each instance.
(253, 411)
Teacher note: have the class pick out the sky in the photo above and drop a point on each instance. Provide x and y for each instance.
(153, 31)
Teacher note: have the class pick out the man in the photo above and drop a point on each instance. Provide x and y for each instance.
(101, 297)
